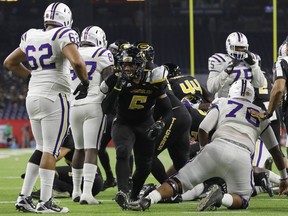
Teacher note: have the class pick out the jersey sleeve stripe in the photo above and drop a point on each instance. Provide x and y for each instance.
(96, 52)
(67, 30)
(220, 57)
(103, 51)
(56, 33)
(158, 81)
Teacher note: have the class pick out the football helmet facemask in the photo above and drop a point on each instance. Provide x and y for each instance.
(147, 49)
(237, 45)
(242, 89)
(58, 14)
(117, 47)
(173, 70)
(95, 36)
(137, 60)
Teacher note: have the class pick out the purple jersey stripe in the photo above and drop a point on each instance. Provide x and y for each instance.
(56, 33)
(100, 132)
(216, 59)
(64, 32)
(220, 57)
(101, 53)
(95, 53)
(57, 147)
(260, 155)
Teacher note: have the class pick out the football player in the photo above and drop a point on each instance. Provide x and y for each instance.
(49, 53)
(236, 131)
(175, 136)
(134, 92)
(87, 119)
(116, 49)
(238, 63)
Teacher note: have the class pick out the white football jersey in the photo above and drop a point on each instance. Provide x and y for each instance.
(234, 121)
(96, 59)
(219, 81)
(50, 69)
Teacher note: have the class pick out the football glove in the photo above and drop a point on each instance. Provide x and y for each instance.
(122, 81)
(155, 130)
(82, 89)
(231, 66)
(249, 58)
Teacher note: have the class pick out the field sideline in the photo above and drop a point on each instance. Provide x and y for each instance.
(13, 163)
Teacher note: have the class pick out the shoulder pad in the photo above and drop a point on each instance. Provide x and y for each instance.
(159, 74)
(219, 57)
(61, 31)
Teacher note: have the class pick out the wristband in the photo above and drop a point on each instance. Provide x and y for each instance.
(283, 174)
(267, 115)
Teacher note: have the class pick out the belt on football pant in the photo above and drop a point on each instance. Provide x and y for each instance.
(238, 144)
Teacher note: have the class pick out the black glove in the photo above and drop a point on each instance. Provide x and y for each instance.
(231, 66)
(82, 88)
(155, 130)
(122, 81)
(249, 59)
(284, 66)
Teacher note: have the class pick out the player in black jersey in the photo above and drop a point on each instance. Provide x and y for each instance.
(134, 92)
(116, 49)
(175, 136)
(186, 86)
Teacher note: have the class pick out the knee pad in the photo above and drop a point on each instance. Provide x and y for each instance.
(176, 190)
(36, 157)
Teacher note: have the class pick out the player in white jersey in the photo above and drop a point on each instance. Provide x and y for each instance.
(87, 119)
(236, 133)
(238, 63)
(49, 52)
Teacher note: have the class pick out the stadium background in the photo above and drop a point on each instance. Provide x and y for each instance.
(162, 23)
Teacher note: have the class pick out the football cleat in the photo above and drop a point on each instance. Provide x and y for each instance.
(122, 199)
(212, 201)
(146, 189)
(76, 197)
(25, 204)
(140, 205)
(266, 184)
(50, 207)
(175, 199)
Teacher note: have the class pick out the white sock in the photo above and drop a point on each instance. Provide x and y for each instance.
(89, 172)
(194, 193)
(46, 181)
(77, 179)
(154, 196)
(274, 178)
(227, 200)
(31, 175)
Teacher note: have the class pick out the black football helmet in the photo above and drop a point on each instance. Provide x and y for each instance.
(136, 57)
(173, 70)
(147, 49)
(117, 47)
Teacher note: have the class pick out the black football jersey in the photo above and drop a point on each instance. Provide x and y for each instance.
(186, 86)
(135, 101)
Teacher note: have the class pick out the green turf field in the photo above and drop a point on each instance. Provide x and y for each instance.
(13, 163)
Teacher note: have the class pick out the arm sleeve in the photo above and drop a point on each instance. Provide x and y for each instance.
(217, 76)
(258, 80)
(269, 138)
(210, 120)
(164, 108)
